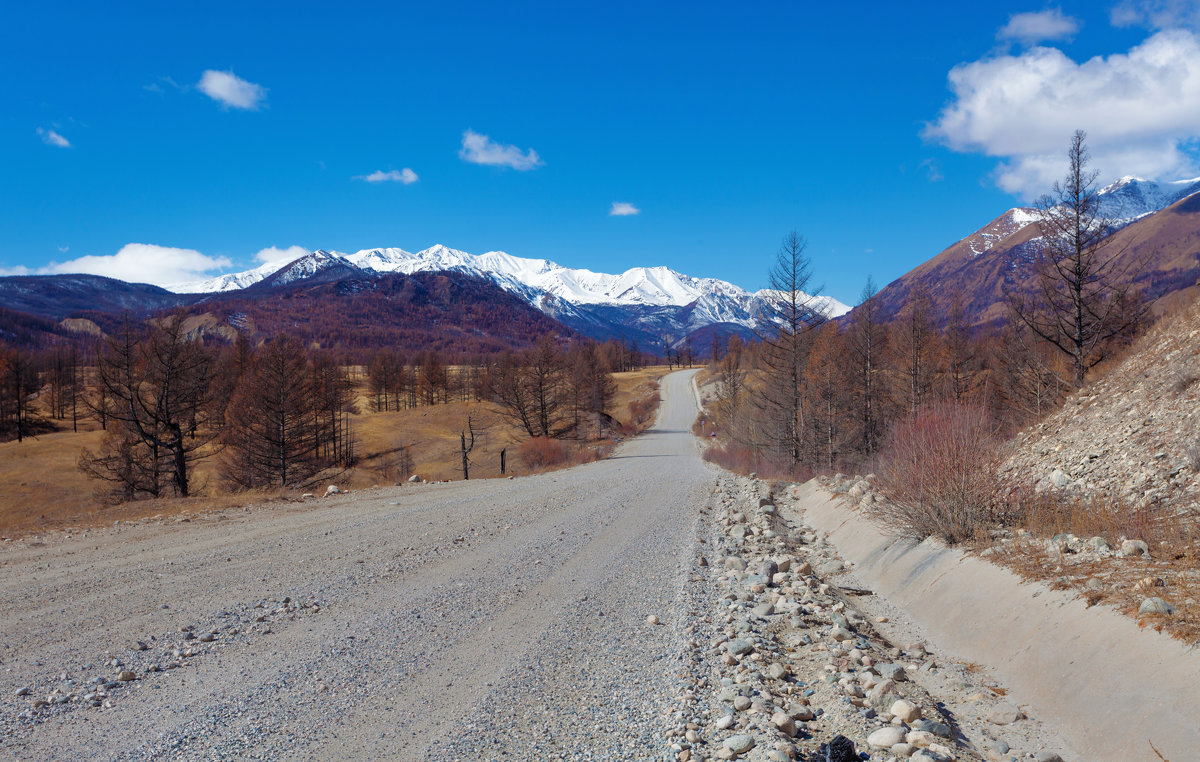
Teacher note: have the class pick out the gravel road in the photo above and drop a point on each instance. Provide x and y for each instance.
(472, 620)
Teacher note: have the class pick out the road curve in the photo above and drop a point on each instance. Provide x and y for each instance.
(472, 620)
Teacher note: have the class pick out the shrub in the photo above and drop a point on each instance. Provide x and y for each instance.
(938, 470)
(746, 460)
(642, 411)
(542, 452)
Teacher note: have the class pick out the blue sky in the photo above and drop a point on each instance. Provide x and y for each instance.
(883, 132)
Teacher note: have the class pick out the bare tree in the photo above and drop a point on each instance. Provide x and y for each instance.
(1083, 292)
(158, 388)
(731, 375)
(273, 437)
(960, 350)
(917, 338)
(792, 312)
(467, 439)
(866, 341)
(19, 387)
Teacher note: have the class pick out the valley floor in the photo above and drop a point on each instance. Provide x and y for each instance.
(648, 606)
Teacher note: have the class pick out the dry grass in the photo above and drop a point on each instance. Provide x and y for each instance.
(1172, 572)
(41, 487)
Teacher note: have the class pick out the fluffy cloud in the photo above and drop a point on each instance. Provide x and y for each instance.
(1157, 14)
(623, 209)
(1032, 28)
(274, 254)
(1140, 109)
(480, 149)
(406, 176)
(230, 90)
(52, 138)
(138, 263)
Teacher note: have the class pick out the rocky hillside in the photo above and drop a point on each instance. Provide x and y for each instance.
(1135, 433)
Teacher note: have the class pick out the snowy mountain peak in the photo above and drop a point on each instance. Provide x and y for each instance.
(1132, 197)
(655, 301)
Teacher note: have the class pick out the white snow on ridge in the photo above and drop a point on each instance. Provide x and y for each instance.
(537, 281)
(227, 282)
(1132, 198)
(643, 286)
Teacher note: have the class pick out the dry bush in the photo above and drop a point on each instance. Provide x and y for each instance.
(746, 460)
(938, 471)
(1171, 533)
(642, 411)
(542, 452)
(1049, 513)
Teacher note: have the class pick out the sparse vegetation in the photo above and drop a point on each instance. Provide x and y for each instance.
(939, 472)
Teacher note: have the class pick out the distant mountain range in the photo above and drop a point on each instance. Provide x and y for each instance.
(647, 304)
(652, 306)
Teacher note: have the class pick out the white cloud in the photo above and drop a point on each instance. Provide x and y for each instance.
(480, 149)
(52, 138)
(1140, 110)
(406, 176)
(273, 254)
(231, 90)
(138, 263)
(1032, 28)
(63, 249)
(623, 209)
(1156, 14)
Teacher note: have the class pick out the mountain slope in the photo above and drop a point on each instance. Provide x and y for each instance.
(1164, 242)
(448, 312)
(60, 296)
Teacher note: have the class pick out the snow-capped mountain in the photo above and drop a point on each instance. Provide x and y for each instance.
(1131, 198)
(1122, 202)
(653, 301)
(227, 282)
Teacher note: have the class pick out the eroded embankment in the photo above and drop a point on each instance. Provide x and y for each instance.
(1110, 688)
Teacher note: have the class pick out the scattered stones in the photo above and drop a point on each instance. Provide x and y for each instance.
(906, 711)
(738, 647)
(1135, 548)
(1155, 606)
(886, 738)
(1005, 714)
(784, 723)
(652, 620)
(333, 489)
(126, 675)
(739, 744)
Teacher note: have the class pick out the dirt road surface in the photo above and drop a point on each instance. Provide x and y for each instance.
(472, 620)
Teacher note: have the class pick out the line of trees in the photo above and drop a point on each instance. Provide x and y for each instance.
(550, 391)
(812, 394)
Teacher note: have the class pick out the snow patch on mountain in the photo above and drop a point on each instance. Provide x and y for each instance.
(1132, 198)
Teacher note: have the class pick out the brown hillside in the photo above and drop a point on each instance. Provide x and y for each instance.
(997, 256)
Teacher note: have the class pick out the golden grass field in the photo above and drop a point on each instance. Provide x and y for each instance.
(42, 488)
